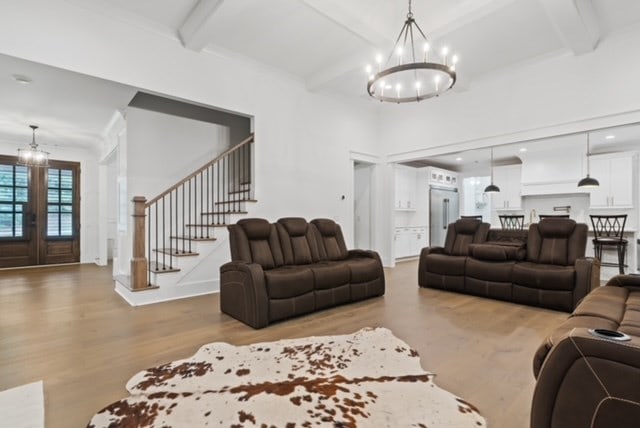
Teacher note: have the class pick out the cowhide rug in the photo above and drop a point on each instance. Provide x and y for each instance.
(366, 379)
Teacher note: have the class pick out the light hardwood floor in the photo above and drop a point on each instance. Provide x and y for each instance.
(66, 326)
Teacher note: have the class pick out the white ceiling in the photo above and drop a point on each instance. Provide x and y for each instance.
(324, 43)
(71, 109)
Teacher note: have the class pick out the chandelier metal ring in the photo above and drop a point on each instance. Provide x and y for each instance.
(377, 78)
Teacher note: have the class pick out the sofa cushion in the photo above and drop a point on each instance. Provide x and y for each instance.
(497, 251)
(543, 276)
(255, 240)
(255, 228)
(331, 241)
(288, 281)
(604, 302)
(363, 269)
(490, 271)
(298, 241)
(462, 233)
(556, 241)
(445, 265)
(330, 274)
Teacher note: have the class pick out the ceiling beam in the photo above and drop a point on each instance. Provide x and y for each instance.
(195, 31)
(350, 21)
(576, 23)
(465, 14)
(354, 24)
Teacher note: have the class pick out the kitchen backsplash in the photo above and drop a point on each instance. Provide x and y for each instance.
(544, 204)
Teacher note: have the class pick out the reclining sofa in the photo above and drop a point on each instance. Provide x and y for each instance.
(544, 266)
(588, 373)
(293, 267)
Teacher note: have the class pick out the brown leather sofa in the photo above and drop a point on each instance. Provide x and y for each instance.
(544, 266)
(592, 381)
(291, 268)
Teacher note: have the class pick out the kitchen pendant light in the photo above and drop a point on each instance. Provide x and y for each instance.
(491, 188)
(588, 182)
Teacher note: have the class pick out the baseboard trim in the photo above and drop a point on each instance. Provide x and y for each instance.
(167, 293)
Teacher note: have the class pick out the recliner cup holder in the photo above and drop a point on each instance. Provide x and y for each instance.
(603, 333)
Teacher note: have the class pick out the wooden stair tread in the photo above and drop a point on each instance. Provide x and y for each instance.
(207, 225)
(194, 238)
(235, 192)
(224, 212)
(236, 201)
(160, 268)
(176, 252)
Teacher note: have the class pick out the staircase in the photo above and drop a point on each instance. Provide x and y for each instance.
(176, 244)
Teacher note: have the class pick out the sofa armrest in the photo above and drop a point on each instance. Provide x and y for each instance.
(243, 293)
(422, 263)
(431, 250)
(587, 278)
(363, 253)
(627, 281)
(587, 381)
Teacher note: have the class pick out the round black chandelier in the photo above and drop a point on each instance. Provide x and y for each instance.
(425, 75)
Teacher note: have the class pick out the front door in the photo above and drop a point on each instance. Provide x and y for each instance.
(39, 213)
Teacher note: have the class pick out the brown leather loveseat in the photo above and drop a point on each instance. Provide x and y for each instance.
(586, 375)
(546, 267)
(293, 267)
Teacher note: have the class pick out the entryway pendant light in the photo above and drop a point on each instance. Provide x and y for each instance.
(33, 156)
(588, 182)
(491, 188)
(412, 76)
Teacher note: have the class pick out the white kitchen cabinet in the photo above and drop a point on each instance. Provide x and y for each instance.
(614, 172)
(402, 243)
(409, 241)
(406, 188)
(442, 177)
(508, 179)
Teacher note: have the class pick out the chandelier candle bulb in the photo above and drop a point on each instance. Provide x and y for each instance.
(417, 68)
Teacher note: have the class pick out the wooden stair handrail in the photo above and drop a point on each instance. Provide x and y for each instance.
(246, 141)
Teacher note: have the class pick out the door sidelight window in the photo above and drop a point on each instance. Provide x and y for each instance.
(14, 194)
(60, 203)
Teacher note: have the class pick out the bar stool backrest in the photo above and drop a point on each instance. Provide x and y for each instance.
(608, 226)
(512, 222)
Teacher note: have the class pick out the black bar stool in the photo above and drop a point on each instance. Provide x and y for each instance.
(608, 231)
(511, 222)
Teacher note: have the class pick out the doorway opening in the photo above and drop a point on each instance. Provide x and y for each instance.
(362, 204)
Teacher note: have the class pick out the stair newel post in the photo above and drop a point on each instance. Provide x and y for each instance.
(138, 260)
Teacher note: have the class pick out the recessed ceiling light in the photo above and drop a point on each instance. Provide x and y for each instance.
(609, 137)
(458, 159)
(522, 150)
(22, 79)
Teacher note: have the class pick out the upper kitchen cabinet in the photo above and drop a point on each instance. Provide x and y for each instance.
(442, 177)
(406, 188)
(508, 179)
(614, 171)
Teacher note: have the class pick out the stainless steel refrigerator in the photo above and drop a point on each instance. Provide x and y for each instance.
(443, 209)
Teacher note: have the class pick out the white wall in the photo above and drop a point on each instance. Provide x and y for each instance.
(88, 191)
(162, 149)
(564, 93)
